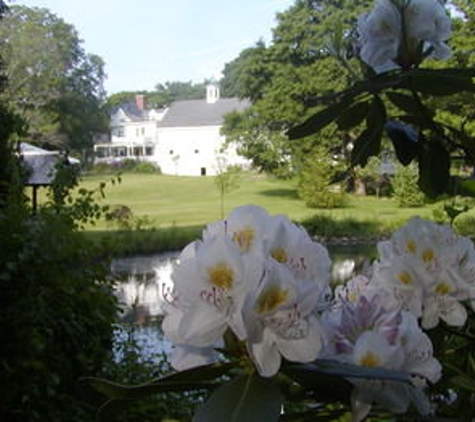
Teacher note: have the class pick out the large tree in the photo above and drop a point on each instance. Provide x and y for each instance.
(304, 60)
(53, 84)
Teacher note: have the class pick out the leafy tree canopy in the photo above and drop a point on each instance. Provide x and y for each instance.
(303, 61)
(53, 83)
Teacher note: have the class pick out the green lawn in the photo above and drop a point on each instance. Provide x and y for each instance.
(194, 201)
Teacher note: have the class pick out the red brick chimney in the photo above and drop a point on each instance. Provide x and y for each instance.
(140, 101)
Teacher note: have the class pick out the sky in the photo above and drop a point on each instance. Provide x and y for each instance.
(146, 42)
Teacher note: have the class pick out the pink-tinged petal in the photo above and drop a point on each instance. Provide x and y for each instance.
(186, 357)
(305, 349)
(202, 325)
(265, 355)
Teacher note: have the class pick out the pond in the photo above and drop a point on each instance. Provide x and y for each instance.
(143, 279)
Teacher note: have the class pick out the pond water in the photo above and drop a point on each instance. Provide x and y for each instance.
(143, 279)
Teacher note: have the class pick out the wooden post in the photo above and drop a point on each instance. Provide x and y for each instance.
(35, 198)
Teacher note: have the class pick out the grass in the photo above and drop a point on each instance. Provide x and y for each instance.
(169, 201)
(175, 209)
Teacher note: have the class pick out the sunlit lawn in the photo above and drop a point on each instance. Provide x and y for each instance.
(190, 201)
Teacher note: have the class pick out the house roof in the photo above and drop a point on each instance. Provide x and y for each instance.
(188, 113)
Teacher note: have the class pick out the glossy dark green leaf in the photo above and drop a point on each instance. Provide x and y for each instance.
(318, 121)
(434, 169)
(408, 104)
(369, 141)
(442, 81)
(248, 398)
(346, 370)
(193, 379)
(405, 141)
(353, 115)
(464, 381)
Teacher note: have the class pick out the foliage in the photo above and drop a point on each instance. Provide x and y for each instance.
(425, 110)
(131, 366)
(57, 308)
(406, 190)
(375, 181)
(54, 85)
(316, 186)
(282, 79)
(128, 165)
(226, 180)
(163, 95)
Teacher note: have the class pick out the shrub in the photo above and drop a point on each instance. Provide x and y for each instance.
(126, 165)
(315, 181)
(405, 187)
(57, 307)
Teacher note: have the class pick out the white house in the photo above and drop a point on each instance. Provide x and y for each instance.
(183, 139)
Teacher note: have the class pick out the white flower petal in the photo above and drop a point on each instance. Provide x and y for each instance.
(305, 349)
(186, 357)
(265, 355)
(202, 325)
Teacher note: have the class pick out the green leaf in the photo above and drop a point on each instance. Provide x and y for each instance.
(463, 381)
(193, 379)
(318, 121)
(248, 398)
(353, 115)
(440, 82)
(347, 370)
(408, 104)
(369, 141)
(434, 169)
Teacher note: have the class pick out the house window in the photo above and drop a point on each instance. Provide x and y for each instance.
(171, 152)
(119, 132)
(148, 150)
(142, 130)
(197, 151)
(203, 171)
(137, 151)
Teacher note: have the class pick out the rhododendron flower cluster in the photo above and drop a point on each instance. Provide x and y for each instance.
(261, 277)
(429, 271)
(362, 331)
(264, 279)
(401, 33)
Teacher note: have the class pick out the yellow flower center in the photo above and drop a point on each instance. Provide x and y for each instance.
(279, 254)
(404, 277)
(221, 276)
(428, 255)
(370, 360)
(244, 238)
(442, 289)
(411, 246)
(271, 298)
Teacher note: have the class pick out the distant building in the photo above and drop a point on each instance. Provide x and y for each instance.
(183, 139)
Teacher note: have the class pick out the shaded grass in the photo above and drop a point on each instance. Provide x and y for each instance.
(177, 209)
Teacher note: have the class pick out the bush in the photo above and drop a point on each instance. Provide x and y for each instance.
(126, 165)
(405, 187)
(315, 181)
(134, 366)
(57, 307)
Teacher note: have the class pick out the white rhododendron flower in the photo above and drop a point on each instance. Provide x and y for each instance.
(362, 331)
(280, 320)
(400, 33)
(428, 270)
(260, 276)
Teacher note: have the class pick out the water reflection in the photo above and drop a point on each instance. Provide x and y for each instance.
(143, 279)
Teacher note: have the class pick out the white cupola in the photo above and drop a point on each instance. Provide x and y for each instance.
(212, 93)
